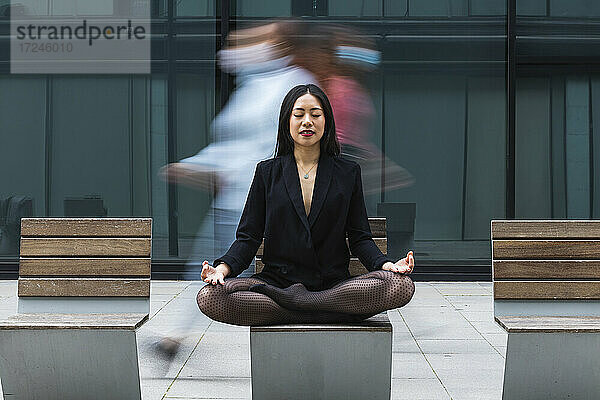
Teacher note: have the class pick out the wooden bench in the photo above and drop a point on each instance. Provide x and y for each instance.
(547, 297)
(83, 290)
(329, 361)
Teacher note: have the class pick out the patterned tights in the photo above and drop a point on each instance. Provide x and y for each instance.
(250, 301)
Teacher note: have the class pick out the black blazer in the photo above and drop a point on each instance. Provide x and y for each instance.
(311, 250)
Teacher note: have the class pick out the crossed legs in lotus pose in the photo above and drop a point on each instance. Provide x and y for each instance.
(250, 301)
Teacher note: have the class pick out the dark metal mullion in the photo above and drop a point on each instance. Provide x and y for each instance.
(222, 79)
(172, 126)
(591, 147)
(48, 145)
(148, 141)
(383, 133)
(510, 107)
(564, 137)
(551, 155)
(465, 159)
(131, 144)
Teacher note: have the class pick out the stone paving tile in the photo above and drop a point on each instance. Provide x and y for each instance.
(154, 365)
(496, 339)
(471, 303)
(455, 346)
(438, 324)
(418, 389)
(411, 365)
(462, 292)
(467, 376)
(404, 343)
(487, 327)
(477, 315)
(501, 350)
(204, 366)
(168, 290)
(8, 309)
(190, 293)
(220, 327)
(203, 388)
(427, 302)
(155, 389)
(431, 316)
(456, 285)
(213, 351)
(465, 362)
(155, 307)
(445, 332)
(475, 387)
(225, 337)
(162, 297)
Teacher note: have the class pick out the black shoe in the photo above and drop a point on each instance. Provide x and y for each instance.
(167, 348)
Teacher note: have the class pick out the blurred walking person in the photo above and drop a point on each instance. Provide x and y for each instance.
(345, 58)
(245, 132)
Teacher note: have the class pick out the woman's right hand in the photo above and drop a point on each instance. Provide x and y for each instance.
(214, 275)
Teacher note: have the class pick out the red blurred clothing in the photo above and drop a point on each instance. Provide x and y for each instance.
(352, 109)
(353, 112)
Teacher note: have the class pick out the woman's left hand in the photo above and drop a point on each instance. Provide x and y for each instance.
(402, 266)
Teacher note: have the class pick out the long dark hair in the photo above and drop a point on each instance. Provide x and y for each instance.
(285, 144)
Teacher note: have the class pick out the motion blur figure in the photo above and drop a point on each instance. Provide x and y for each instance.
(260, 57)
(243, 133)
(344, 62)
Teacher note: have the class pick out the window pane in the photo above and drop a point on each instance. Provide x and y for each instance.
(574, 8)
(354, 8)
(437, 8)
(266, 8)
(195, 8)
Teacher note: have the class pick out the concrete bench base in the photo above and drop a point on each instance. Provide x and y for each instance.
(322, 361)
(55, 356)
(552, 366)
(551, 357)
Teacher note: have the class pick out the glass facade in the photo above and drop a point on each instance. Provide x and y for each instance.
(95, 144)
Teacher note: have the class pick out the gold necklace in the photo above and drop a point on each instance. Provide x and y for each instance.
(306, 172)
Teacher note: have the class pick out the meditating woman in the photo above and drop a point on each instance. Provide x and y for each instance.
(303, 202)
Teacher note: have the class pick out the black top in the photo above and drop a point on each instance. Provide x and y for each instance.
(311, 250)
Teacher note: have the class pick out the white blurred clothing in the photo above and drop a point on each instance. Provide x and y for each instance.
(245, 132)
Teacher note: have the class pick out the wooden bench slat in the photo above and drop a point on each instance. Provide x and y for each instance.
(549, 324)
(97, 267)
(378, 227)
(540, 269)
(355, 268)
(38, 321)
(546, 249)
(79, 247)
(380, 242)
(554, 229)
(550, 290)
(86, 227)
(83, 287)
